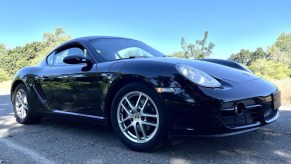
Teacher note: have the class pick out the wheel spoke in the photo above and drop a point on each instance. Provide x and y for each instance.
(126, 110)
(22, 97)
(24, 100)
(149, 123)
(127, 118)
(129, 103)
(22, 112)
(25, 107)
(18, 105)
(138, 100)
(18, 98)
(19, 110)
(143, 131)
(144, 104)
(136, 132)
(149, 115)
(130, 125)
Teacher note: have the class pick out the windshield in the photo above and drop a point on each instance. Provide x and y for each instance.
(119, 48)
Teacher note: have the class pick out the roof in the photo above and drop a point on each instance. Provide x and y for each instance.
(100, 37)
(89, 38)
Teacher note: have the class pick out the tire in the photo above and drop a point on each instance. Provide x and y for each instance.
(138, 117)
(22, 108)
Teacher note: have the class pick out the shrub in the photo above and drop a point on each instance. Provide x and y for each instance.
(269, 69)
(3, 75)
(285, 88)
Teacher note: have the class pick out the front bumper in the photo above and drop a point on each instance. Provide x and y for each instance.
(198, 113)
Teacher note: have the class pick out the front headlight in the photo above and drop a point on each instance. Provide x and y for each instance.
(197, 76)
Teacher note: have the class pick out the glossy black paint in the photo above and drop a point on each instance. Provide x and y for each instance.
(86, 90)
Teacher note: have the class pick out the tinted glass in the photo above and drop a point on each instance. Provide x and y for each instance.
(50, 59)
(59, 57)
(115, 49)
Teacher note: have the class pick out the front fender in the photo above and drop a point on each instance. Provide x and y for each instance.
(26, 76)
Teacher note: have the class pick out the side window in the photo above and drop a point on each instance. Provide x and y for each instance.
(50, 59)
(59, 57)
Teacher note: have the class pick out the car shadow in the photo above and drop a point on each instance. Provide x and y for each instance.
(5, 105)
(270, 144)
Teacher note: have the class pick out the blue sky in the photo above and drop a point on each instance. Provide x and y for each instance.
(232, 24)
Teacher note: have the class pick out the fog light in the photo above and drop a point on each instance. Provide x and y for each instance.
(239, 108)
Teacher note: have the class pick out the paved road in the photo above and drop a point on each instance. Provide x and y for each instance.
(56, 140)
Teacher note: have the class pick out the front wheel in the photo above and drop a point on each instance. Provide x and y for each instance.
(138, 117)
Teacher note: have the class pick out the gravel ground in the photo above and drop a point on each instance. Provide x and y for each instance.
(56, 140)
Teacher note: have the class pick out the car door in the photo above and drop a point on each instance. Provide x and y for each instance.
(69, 87)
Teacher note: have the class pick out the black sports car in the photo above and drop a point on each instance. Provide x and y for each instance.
(145, 96)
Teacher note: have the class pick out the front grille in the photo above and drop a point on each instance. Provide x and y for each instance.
(247, 118)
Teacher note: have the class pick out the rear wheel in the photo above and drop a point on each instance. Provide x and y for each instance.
(138, 117)
(22, 110)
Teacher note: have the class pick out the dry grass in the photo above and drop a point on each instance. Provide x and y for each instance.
(285, 88)
(5, 87)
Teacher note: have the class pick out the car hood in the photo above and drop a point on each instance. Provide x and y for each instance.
(216, 70)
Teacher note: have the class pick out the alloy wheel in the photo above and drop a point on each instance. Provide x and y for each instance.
(138, 117)
(21, 103)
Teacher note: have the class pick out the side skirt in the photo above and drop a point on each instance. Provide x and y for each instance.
(79, 114)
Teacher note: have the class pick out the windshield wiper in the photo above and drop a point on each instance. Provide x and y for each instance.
(133, 57)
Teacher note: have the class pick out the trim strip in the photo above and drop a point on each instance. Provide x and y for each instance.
(212, 135)
(246, 126)
(273, 119)
(78, 114)
(247, 107)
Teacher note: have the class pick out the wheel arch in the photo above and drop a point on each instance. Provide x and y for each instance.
(116, 86)
(13, 87)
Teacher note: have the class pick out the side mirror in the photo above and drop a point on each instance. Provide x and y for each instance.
(76, 59)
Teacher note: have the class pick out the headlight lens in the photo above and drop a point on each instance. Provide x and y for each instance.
(197, 76)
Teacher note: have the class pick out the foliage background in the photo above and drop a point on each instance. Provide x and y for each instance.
(32, 53)
(273, 64)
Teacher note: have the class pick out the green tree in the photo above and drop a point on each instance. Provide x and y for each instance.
(50, 41)
(56, 38)
(178, 54)
(13, 60)
(199, 49)
(244, 57)
(2, 49)
(3, 75)
(31, 53)
(270, 69)
(280, 51)
(259, 54)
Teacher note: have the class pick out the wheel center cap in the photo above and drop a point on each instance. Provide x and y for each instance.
(137, 116)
